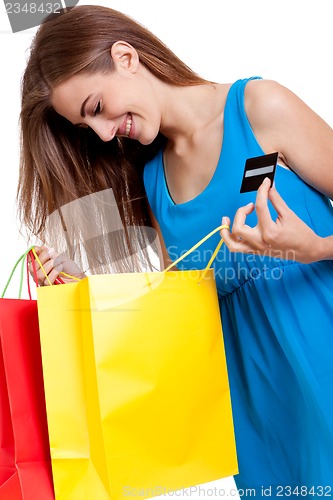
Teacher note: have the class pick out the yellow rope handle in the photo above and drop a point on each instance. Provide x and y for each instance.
(69, 276)
(211, 259)
(44, 272)
(223, 226)
(41, 266)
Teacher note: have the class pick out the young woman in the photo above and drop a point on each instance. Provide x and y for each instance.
(106, 105)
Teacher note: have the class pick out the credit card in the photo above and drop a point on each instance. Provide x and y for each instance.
(256, 169)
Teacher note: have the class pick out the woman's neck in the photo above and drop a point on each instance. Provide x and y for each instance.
(191, 113)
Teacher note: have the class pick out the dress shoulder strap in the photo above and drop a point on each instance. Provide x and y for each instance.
(238, 133)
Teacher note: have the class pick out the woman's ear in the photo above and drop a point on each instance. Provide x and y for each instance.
(124, 56)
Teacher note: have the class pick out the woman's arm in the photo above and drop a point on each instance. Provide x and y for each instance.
(282, 122)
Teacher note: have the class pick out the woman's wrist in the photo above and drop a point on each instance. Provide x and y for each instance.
(324, 248)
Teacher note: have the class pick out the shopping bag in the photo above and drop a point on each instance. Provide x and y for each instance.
(25, 464)
(136, 384)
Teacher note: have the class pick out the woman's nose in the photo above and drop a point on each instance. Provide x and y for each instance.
(105, 129)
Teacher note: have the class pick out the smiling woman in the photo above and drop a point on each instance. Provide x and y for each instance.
(106, 105)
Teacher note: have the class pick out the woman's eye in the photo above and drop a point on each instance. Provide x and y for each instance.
(97, 109)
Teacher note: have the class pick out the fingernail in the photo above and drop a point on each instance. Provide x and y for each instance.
(250, 204)
(59, 268)
(51, 251)
(224, 220)
(267, 181)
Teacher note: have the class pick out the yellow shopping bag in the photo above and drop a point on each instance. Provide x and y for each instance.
(136, 384)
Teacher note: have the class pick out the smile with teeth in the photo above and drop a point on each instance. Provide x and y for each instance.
(128, 125)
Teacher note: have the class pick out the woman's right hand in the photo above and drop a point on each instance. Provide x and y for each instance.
(53, 264)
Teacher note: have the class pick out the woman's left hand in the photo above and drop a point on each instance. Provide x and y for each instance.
(286, 238)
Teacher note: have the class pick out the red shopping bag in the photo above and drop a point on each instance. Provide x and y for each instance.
(25, 465)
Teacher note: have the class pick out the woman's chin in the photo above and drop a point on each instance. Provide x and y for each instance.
(145, 141)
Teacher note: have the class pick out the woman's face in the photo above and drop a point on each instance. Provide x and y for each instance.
(120, 103)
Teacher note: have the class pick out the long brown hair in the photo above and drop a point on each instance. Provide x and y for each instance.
(60, 162)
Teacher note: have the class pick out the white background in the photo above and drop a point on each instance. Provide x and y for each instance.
(289, 41)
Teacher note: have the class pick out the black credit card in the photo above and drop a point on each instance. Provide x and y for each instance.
(256, 169)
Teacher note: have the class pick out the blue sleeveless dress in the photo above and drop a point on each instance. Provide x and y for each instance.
(277, 318)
